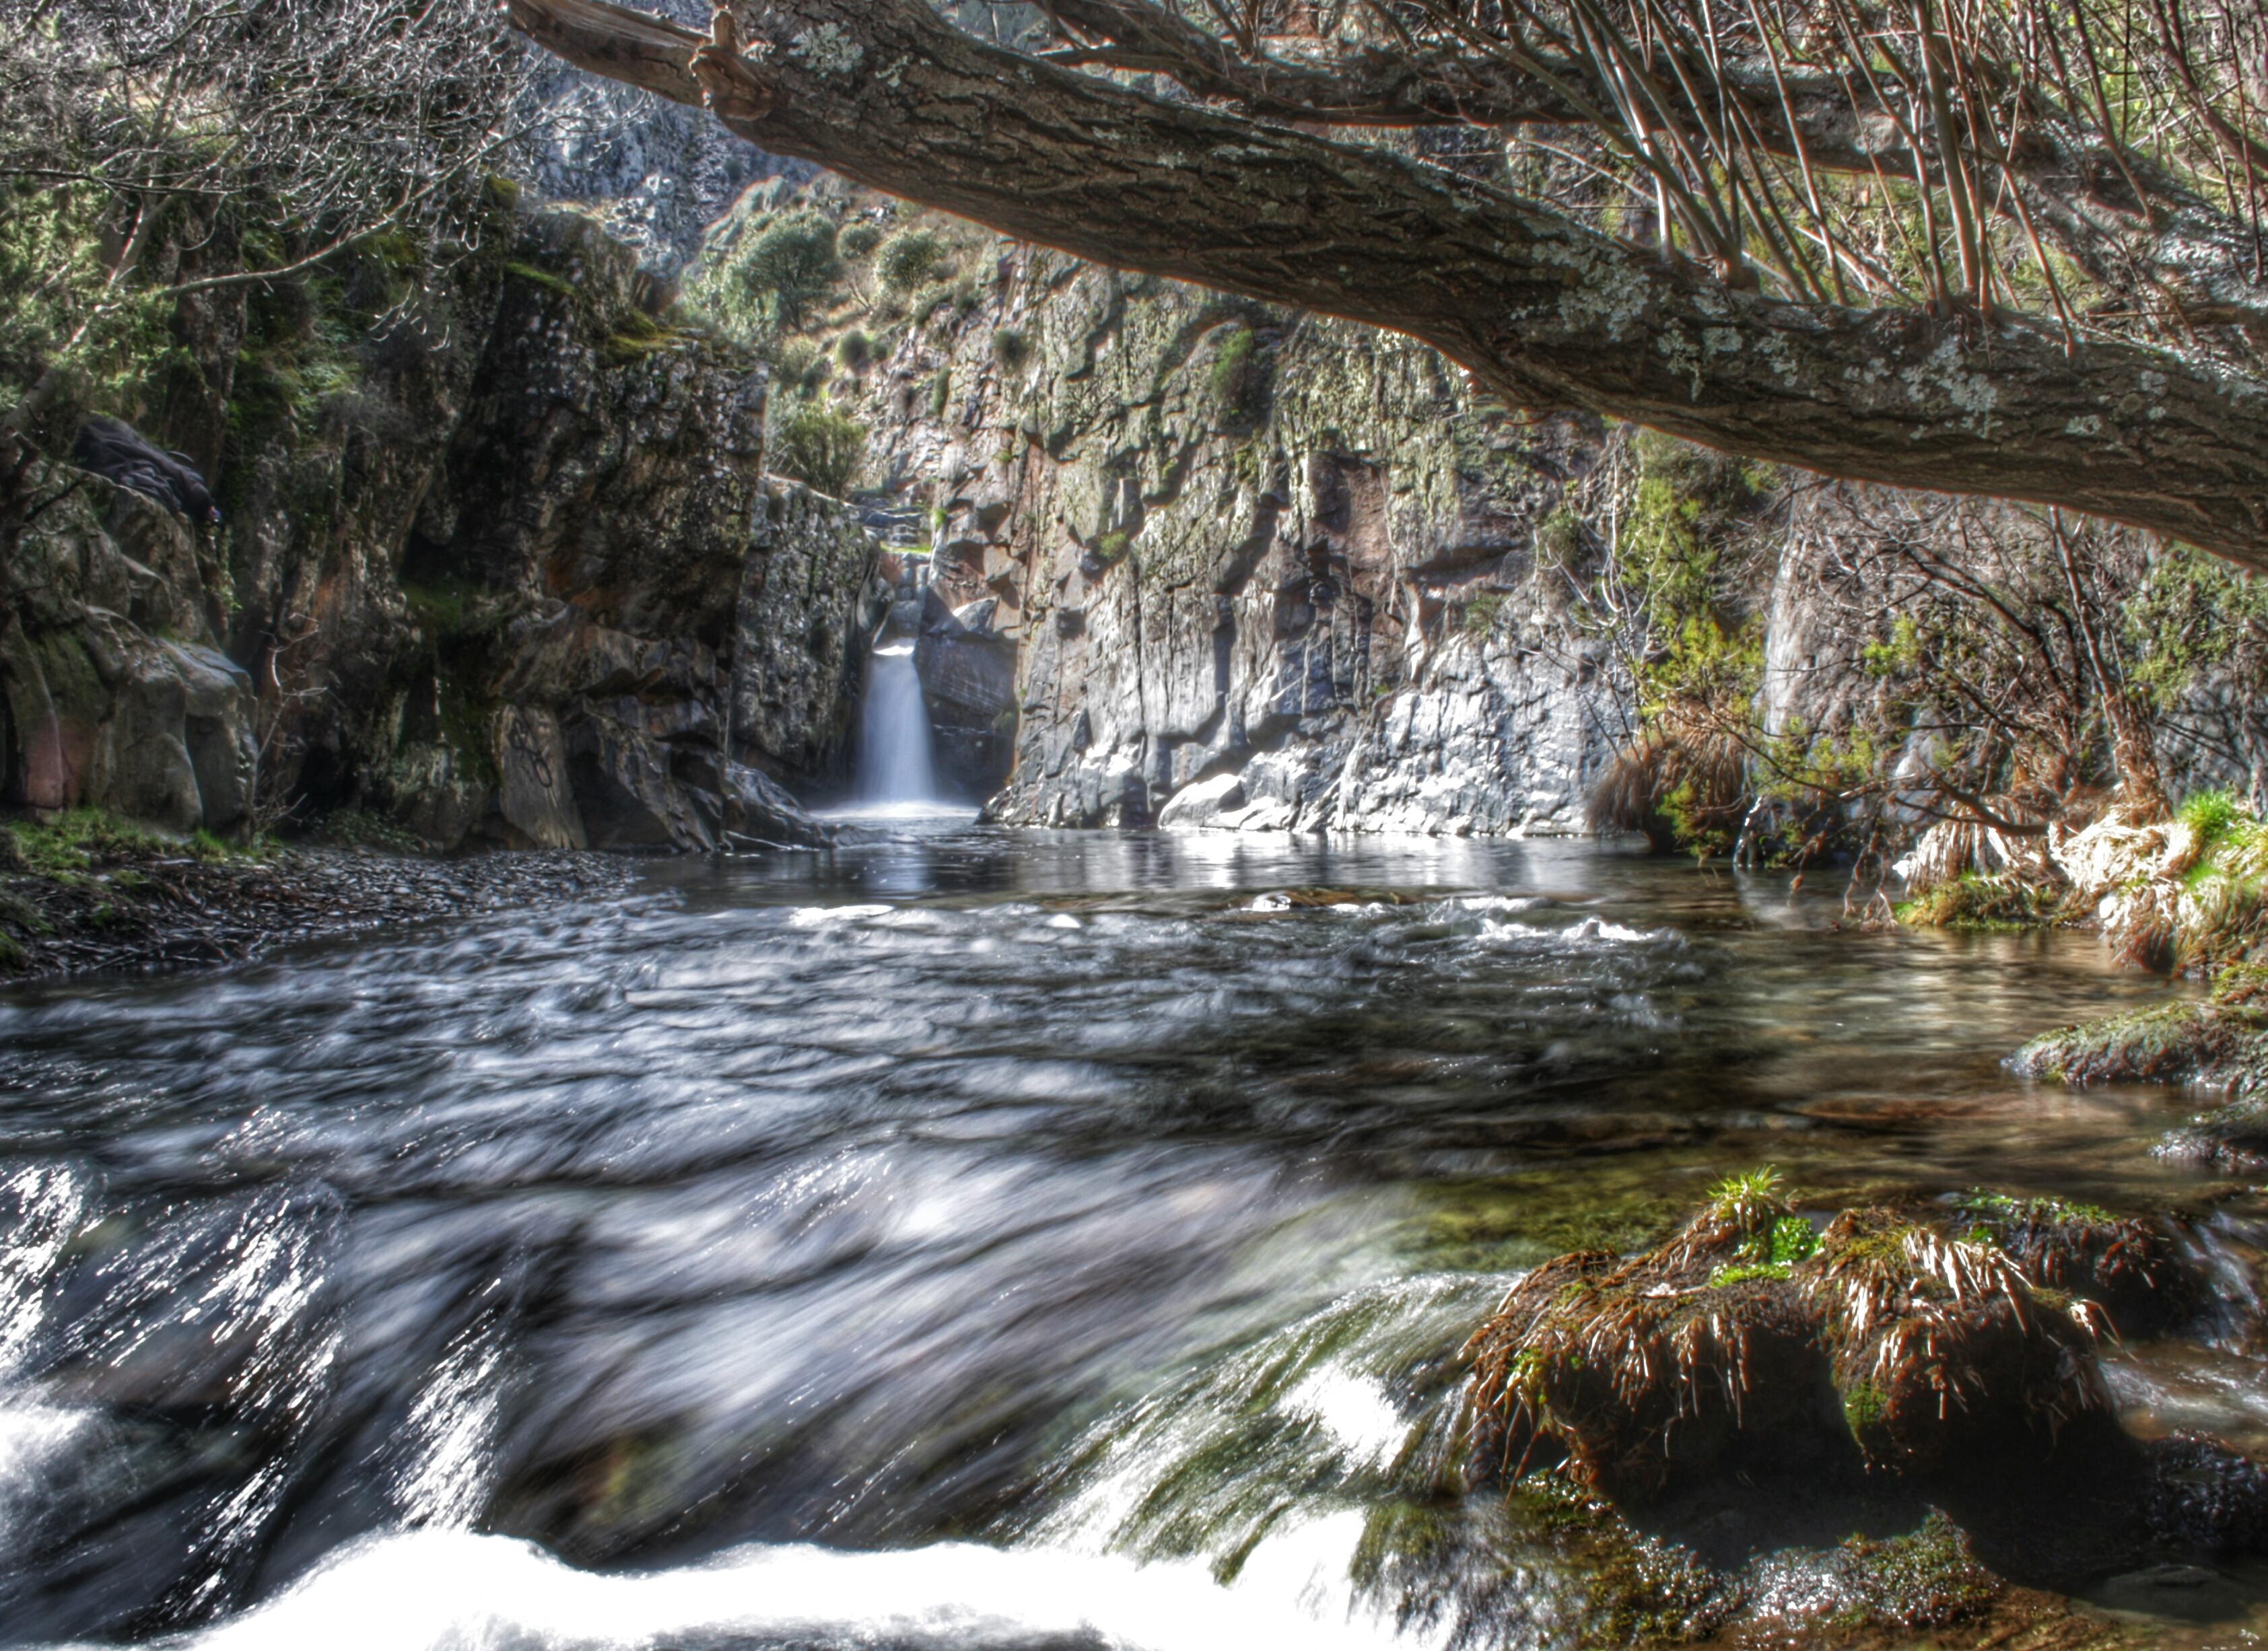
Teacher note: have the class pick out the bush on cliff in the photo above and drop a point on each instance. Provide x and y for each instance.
(814, 444)
(790, 265)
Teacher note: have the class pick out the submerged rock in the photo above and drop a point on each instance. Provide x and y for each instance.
(2221, 1044)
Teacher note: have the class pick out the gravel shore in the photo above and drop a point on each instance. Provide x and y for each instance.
(159, 906)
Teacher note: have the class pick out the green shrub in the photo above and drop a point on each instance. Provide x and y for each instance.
(854, 350)
(816, 444)
(799, 367)
(859, 239)
(790, 265)
(908, 258)
(1010, 349)
(2211, 814)
(1559, 539)
(1232, 375)
(1481, 612)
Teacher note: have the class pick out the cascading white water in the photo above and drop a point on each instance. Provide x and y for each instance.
(893, 753)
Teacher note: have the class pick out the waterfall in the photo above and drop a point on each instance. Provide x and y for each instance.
(894, 760)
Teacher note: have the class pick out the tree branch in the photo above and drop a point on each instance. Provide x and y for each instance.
(1542, 310)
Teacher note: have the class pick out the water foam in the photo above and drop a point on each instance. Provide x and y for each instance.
(49, 1206)
(454, 1589)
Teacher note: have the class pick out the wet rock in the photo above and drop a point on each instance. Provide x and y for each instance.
(2134, 1268)
(2179, 1593)
(2221, 1044)
(758, 813)
(1215, 801)
(2234, 1137)
(2206, 1499)
(968, 670)
(1884, 1355)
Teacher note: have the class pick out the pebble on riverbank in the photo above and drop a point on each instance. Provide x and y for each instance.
(85, 894)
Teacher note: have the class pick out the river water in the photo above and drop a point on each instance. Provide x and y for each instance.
(969, 1237)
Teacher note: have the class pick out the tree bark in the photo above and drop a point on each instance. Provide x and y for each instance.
(1542, 310)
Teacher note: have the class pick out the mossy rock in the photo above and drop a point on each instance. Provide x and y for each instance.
(2213, 1044)
(1906, 1356)
(2221, 1044)
(1994, 903)
(2133, 1267)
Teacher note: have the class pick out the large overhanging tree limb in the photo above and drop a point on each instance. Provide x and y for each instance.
(1542, 309)
(2122, 217)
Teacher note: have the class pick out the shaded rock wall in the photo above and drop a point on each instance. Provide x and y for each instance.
(502, 570)
(812, 597)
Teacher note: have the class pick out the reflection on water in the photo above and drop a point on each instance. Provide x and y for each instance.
(1029, 1205)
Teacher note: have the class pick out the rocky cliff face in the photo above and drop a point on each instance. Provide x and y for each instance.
(1258, 569)
(499, 567)
(1200, 562)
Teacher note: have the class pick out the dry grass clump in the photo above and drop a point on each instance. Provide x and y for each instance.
(2188, 893)
(2131, 1267)
(1881, 1345)
(1685, 778)
(1954, 849)
(1944, 1355)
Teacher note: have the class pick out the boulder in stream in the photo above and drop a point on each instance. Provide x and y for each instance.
(1883, 1360)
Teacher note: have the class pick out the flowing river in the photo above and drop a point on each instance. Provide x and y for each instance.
(969, 1237)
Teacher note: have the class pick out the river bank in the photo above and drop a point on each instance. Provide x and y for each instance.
(84, 894)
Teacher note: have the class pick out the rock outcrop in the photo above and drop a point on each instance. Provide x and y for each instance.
(111, 689)
(1226, 540)
(811, 598)
(503, 565)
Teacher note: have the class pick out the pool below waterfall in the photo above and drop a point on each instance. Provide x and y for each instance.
(967, 1237)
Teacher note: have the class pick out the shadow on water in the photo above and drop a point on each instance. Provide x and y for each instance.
(1086, 1197)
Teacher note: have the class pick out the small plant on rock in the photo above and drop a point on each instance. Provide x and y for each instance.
(814, 444)
(908, 259)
